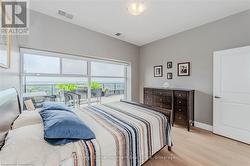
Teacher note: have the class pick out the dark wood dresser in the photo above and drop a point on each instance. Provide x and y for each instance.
(180, 101)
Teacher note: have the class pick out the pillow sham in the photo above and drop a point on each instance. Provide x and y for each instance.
(55, 106)
(26, 146)
(27, 118)
(64, 126)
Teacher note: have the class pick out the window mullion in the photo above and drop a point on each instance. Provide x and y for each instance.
(61, 66)
(125, 82)
(89, 81)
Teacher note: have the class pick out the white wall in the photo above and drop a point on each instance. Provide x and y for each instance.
(195, 46)
(10, 77)
(51, 34)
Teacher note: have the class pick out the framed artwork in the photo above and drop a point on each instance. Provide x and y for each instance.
(183, 69)
(169, 76)
(5, 51)
(169, 65)
(158, 71)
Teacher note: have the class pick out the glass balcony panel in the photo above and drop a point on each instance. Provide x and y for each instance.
(73, 91)
(105, 90)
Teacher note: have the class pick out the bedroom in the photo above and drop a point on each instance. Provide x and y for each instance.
(101, 51)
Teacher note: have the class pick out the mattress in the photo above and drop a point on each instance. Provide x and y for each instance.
(126, 135)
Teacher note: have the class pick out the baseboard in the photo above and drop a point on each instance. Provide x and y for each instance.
(203, 126)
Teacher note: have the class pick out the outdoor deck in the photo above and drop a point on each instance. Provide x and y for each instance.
(104, 100)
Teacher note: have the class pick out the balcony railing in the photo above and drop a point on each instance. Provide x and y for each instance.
(39, 93)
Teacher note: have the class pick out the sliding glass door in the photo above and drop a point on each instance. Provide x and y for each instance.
(107, 80)
(73, 80)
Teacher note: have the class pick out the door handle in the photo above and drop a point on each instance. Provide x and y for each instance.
(217, 97)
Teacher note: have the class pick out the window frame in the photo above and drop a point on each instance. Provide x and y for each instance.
(88, 76)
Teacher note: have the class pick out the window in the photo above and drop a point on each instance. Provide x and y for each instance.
(41, 64)
(107, 69)
(73, 80)
(73, 66)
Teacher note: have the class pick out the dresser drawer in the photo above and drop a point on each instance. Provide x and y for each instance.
(180, 102)
(162, 98)
(180, 94)
(148, 102)
(181, 110)
(165, 93)
(158, 99)
(160, 105)
(180, 118)
(147, 96)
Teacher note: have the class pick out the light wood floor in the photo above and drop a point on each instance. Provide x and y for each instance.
(200, 147)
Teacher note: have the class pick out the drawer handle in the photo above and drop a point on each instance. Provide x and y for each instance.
(179, 117)
(179, 102)
(179, 95)
(179, 110)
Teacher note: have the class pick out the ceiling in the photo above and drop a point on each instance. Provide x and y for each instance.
(161, 19)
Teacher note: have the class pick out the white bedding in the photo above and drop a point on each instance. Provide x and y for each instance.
(27, 118)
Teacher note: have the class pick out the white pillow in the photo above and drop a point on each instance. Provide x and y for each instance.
(26, 146)
(27, 118)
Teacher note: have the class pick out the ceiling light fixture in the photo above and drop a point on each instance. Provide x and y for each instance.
(136, 7)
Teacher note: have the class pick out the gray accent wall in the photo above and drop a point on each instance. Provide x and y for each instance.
(51, 34)
(195, 46)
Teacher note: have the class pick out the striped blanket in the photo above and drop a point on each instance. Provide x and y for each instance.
(126, 135)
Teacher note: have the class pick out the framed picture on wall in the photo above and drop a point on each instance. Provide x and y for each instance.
(183, 69)
(158, 71)
(5, 51)
(169, 65)
(169, 76)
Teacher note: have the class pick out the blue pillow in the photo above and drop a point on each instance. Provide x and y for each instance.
(55, 106)
(62, 127)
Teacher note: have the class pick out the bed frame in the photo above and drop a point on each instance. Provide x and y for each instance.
(10, 109)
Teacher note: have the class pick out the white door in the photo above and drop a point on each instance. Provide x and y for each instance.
(231, 94)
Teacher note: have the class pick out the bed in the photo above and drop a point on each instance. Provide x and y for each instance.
(126, 135)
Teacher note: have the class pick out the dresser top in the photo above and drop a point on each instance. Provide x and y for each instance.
(180, 89)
